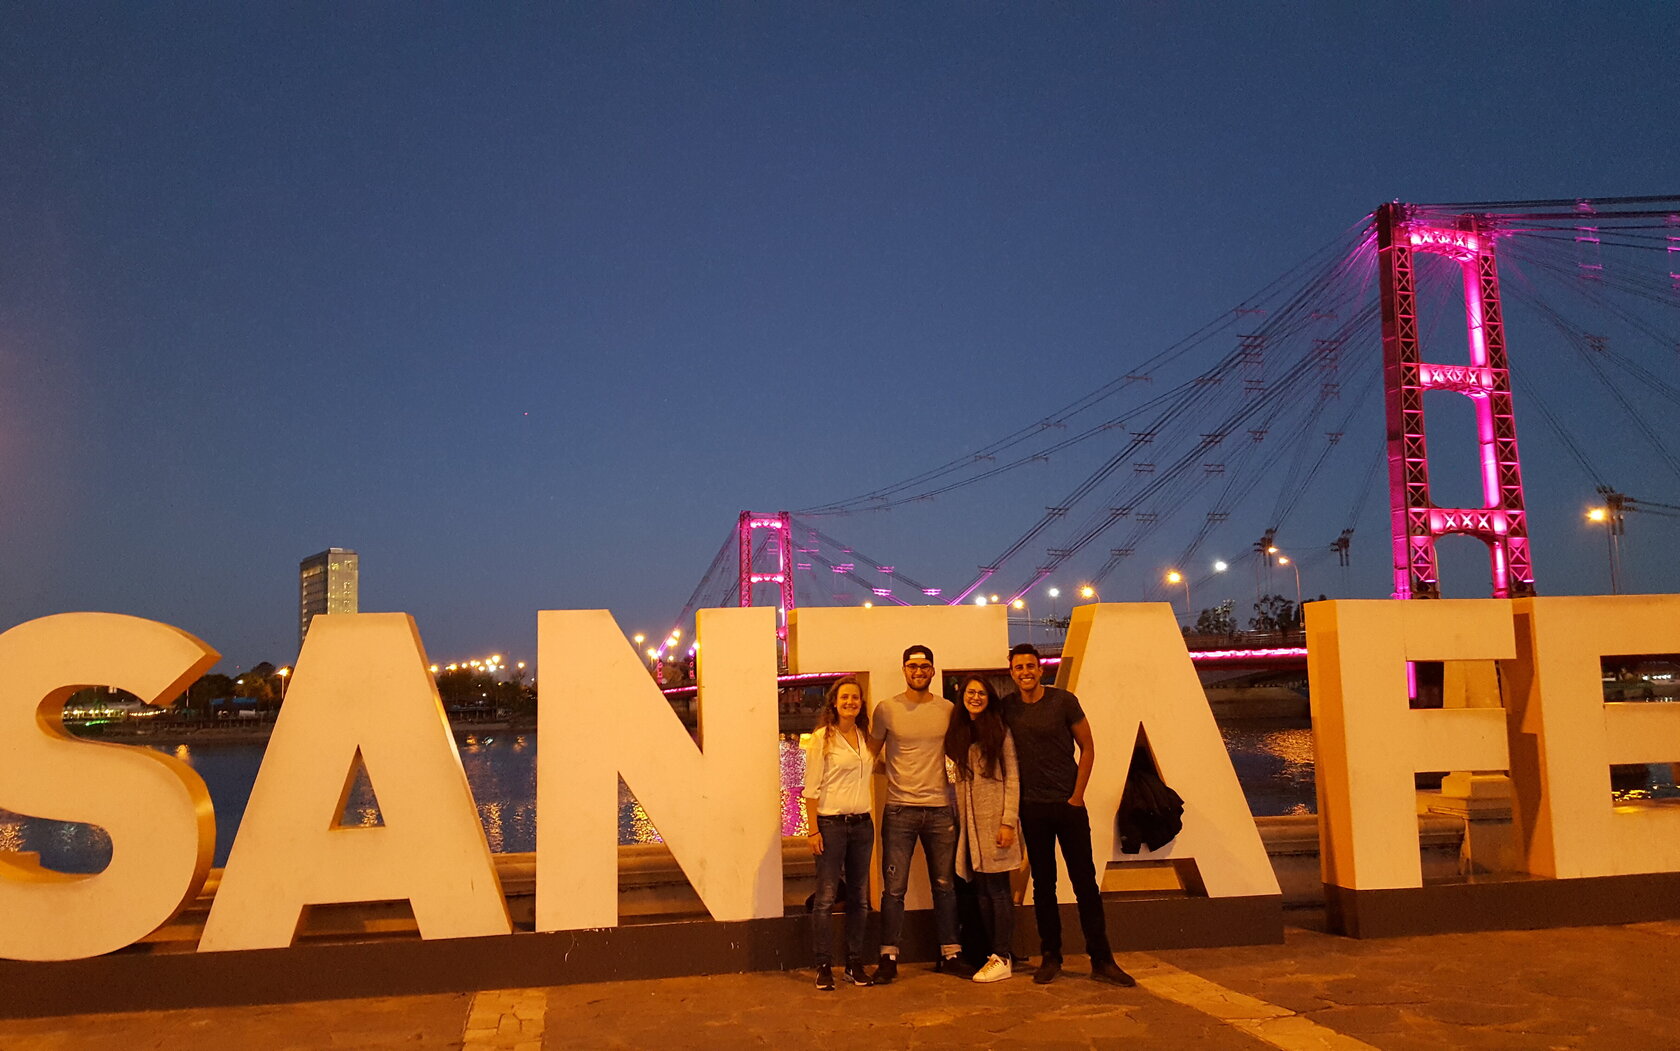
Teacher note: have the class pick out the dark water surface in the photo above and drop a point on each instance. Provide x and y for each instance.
(1273, 762)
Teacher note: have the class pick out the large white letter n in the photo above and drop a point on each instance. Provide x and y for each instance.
(602, 718)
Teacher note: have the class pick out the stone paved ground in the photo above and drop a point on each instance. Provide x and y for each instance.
(1597, 987)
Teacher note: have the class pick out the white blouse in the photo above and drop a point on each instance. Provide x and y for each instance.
(838, 773)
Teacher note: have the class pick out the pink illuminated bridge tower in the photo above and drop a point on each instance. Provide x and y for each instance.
(1500, 522)
(779, 527)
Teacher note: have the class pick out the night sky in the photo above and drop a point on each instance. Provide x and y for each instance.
(525, 305)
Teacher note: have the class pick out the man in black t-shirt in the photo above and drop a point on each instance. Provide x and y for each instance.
(1047, 725)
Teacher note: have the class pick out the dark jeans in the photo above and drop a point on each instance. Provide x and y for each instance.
(935, 827)
(1042, 825)
(997, 910)
(848, 841)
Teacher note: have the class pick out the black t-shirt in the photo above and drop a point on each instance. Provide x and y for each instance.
(1044, 744)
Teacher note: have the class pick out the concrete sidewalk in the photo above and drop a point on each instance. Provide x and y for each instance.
(1588, 987)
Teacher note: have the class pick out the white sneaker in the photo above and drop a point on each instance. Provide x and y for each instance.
(995, 969)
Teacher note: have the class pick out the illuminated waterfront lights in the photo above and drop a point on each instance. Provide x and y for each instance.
(434, 669)
(1087, 591)
(1019, 604)
(520, 665)
(1597, 514)
(676, 633)
(652, 653)
(638, 638)
(1220, 565)
(1174, 577)
(1055, 592)
(868, 605)
(979, 600)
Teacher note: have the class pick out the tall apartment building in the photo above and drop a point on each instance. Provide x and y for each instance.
(327, 583)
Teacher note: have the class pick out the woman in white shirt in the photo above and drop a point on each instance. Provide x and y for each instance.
(839, 804)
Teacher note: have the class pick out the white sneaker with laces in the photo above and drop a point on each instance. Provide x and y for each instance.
(995, 969)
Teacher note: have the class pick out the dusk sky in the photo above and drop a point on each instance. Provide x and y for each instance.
(526, 304)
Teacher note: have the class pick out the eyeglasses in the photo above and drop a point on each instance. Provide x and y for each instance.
(918, 666)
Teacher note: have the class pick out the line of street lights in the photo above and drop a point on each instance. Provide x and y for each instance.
(1611, 515)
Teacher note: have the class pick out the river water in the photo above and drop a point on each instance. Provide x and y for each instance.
(1273, 763)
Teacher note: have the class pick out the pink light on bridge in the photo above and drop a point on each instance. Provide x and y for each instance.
(1468, 380)
(1260, 653)
(780, 527)
(1455, 244)
(1501, 521)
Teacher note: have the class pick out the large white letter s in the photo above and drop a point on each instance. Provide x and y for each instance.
(156, 809)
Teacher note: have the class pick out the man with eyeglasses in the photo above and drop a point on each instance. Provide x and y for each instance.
(911, 728)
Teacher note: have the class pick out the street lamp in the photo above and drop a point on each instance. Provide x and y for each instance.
(286, 673)
(1611, 518)
(1175, 577)
(1285, 560)
(1087, 592)
(1020, 606)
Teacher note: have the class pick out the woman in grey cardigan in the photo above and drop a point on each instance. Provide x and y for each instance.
(988, 789)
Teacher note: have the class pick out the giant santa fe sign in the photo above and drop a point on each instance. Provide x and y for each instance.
(362, 686)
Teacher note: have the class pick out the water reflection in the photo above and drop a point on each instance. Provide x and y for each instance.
(1274, 763)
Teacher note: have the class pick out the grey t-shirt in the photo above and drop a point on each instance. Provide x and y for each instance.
(914, 757)
(1044, 744)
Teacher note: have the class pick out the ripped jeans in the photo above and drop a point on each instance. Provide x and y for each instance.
(935, 827)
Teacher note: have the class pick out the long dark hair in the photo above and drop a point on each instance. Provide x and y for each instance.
(985, 729)
(831, 713)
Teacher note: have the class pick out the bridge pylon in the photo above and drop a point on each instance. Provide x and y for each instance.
(1501, 522)
(779, 526)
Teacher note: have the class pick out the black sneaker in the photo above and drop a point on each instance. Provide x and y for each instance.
(1048, 968)
(825, 978)
(1110, 972)
(953, 965)
(857, 975)
(887, 970)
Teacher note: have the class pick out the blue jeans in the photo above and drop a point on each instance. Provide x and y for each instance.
(848, 841)
(935, 827)
(997, 910)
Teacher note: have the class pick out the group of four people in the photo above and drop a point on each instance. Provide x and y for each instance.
(971, 785)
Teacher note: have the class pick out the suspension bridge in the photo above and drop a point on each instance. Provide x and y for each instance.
(1404, 352)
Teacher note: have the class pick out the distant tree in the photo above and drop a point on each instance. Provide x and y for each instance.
(257, 687)
(1275, 613)
(1220, 620)
(208, 688)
